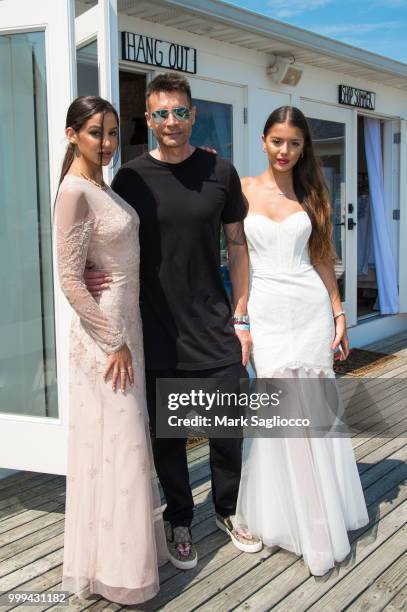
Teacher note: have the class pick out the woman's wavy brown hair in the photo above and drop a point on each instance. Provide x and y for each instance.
(309, 186)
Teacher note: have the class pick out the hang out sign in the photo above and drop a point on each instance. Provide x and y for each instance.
(155, 52)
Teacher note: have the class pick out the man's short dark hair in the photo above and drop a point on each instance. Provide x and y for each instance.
(168, 82)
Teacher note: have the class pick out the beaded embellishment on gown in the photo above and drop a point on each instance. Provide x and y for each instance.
(114, 536)
(302, 494)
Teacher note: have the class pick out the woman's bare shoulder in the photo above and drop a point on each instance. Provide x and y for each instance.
(249, 181)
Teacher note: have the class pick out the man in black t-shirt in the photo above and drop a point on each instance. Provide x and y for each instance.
(183, 195)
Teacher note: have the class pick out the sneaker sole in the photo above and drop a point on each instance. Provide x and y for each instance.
(182, 565)
(249, 548)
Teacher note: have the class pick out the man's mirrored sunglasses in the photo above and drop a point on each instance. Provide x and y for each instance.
(181, 113)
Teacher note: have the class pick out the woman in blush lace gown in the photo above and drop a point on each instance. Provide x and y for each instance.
(114, 537)
(302, 494)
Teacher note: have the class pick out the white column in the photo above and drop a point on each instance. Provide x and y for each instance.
(108, 60)
(403, 218)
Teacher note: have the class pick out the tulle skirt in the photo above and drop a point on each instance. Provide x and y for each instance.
(302, 494)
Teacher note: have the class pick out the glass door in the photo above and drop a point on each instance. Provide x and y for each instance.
(36, 73)
(220, 119)
(335, 143)
(220, 124)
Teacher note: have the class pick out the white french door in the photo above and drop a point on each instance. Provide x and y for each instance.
(335, 138)
(220, 119)
(38, 81)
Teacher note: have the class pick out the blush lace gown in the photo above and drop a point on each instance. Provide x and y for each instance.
(302, 494)
(114, 536)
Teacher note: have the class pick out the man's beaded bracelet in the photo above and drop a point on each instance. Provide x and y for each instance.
(241, 319)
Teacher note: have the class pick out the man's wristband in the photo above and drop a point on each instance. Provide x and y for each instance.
(242, 326)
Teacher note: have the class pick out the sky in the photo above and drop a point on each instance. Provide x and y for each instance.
(379, 26)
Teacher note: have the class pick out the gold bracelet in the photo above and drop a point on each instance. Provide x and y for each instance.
(339, 314)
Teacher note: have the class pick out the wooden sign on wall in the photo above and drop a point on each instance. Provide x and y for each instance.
(351, 96)
(155, 52)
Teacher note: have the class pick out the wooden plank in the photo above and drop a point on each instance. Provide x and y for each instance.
(384, 588)
(380, 345)
(109, 606)
(41, 583)
(379, 454)
(368, 441)
(399, 602)
(368, 405)
(23, 544)
(343, 593)
(49, 518)
(374, 444)
(19, 478)
(13, 569)
(51, 495)
(378, 470)
(22, 518)
(31, 570)
(392, 415)
(17, 500)
(21, 483)
(400, 372)
(198, 452)
(361, 396)
(283, 590)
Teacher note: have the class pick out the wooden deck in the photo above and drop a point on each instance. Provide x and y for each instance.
(373, 579)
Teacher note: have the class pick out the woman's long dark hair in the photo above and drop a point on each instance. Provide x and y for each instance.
(309, 186)
(82, 109)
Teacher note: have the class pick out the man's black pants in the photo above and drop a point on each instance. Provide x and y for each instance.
(170, 456)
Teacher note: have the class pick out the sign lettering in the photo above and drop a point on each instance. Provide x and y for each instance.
(351, 96)
(155, 52)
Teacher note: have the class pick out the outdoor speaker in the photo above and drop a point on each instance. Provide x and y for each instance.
(284, 72)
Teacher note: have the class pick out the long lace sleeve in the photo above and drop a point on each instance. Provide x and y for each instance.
(74, 225)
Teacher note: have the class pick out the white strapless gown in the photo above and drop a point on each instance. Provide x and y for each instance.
(302, 494)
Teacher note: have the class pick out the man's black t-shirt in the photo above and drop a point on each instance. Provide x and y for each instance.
(185, 309)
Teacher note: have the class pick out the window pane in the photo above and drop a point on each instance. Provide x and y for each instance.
(329, 142)
(214, 127)
(87, 70)
(27, 348)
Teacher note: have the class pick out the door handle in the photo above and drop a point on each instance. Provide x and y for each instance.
(343, 223)
(351, 223)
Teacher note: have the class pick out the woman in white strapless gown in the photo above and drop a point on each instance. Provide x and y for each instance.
(302, 494)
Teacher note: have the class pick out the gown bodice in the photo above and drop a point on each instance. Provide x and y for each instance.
(277, 247)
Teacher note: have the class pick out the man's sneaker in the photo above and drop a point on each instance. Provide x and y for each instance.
(241, 538)
(182, 552)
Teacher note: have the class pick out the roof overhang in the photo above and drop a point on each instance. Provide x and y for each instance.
(225, 22)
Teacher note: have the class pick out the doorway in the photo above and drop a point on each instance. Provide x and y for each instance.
(133, 127)
(366, 276)
(377, 280)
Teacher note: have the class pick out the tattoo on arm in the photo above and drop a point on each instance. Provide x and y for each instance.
(234, 233)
